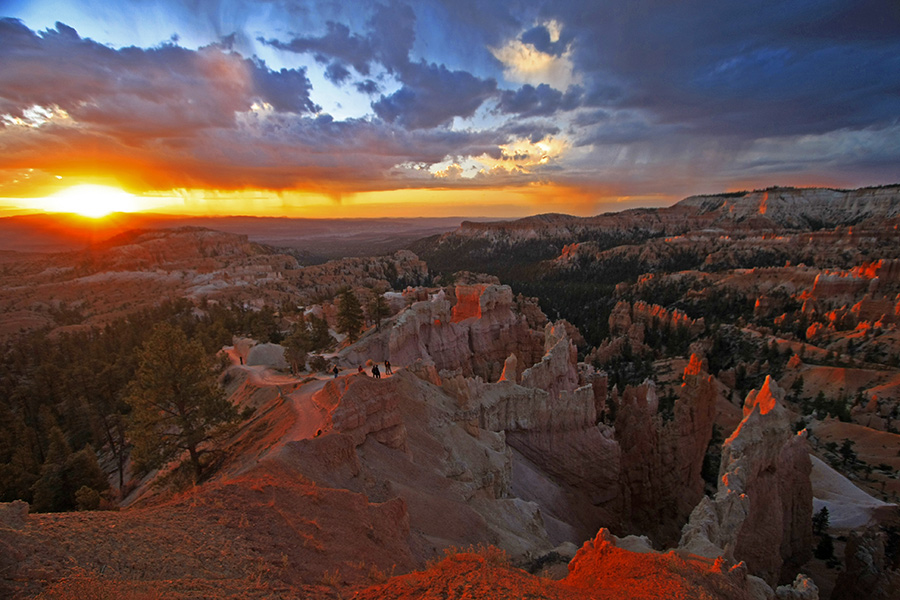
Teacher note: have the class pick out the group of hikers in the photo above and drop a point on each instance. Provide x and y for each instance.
(376, 372)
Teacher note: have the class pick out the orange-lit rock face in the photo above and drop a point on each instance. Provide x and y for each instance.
(624, 315)
(604, 570)
(468, 302)
(761, 512)
(869, 270)
(693, 368)
(569, 251)
(764, 399)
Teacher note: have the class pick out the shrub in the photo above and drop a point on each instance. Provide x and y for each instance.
(87, 498)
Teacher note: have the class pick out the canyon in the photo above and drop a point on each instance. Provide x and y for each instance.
(638, 404)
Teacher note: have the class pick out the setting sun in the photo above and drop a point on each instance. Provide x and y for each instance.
(91, 200)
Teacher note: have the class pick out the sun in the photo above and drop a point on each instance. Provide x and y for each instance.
(91, 200)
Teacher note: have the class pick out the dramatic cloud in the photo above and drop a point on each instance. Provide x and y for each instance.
(737, 68)
(158, 92)
(649, 96)
(173, 117)
(524, 63)
(540, 101)
(432, 95)
(337, 43)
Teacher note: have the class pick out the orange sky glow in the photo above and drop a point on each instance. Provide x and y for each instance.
(97, 200)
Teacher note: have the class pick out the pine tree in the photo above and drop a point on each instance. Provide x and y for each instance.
(350, 316)
(319, 336)
(50, 490)
(177, 405)
(820, 521)
(378, 309)
(825, 548)
(297, 346)
(63, 475)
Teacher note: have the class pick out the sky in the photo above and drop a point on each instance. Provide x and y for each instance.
(439, 108)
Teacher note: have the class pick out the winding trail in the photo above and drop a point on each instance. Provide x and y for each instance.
(310, 419)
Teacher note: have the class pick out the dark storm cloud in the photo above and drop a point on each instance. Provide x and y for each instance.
(539, 37)
(540, 101)
(432, 95)
(533, 131)
(745, 69)
(392, 34)
(286, 89)
(337, 43)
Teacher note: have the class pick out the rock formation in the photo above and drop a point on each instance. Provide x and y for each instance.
(607, 566)
(868, 573)
(650, 315)
(662, 455)
(764, 498)
(269, 355)
(405, 437)
(472, 332)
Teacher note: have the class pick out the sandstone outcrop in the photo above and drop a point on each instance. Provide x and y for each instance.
(662, 455)
(612, 567)
(764, 497)
(361, 406)
(550, 420)
(624, 315)
(325, 281)
(802, 588)
(268, 355)
(444, 455)
(798, 207)
(868, 573)
(472, 332)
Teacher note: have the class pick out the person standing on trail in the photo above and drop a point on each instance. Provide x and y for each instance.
(387, 367)
(359, 369)
(335, 371)
(375, 372)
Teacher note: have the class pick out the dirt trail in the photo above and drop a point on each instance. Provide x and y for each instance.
(311, 419)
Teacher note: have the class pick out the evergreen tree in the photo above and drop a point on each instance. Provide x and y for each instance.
(319, 336)
(825, 548)
(49, 491)
(820, 521)
(19, 464)
(350, 317)
(378, 309)
(297, 346)
(848, 454)
(64, 474)
(177, 405)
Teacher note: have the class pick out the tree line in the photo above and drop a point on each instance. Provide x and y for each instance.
(66, 396)
(135, 394)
